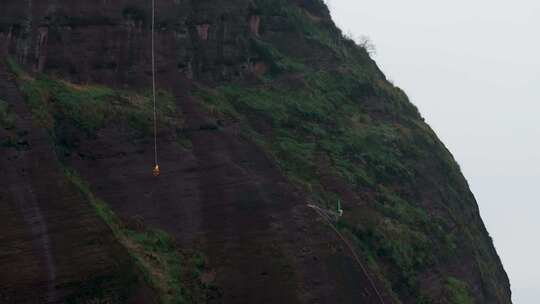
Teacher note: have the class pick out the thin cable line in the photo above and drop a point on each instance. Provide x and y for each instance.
(154, 83)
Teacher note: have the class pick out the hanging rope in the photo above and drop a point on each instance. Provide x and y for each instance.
(156, 171)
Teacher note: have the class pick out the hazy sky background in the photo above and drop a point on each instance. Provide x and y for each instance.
(473, 70)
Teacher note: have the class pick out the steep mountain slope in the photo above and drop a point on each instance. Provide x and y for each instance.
(263, 107)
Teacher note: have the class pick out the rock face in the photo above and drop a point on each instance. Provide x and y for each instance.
(240, 72)
(108, 41)
(54, 246)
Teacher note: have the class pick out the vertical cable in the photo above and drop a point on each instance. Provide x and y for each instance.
(154, 84)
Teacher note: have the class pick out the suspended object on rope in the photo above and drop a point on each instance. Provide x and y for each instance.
(156, 170)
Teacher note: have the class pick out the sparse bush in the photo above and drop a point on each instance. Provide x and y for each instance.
(367, 44)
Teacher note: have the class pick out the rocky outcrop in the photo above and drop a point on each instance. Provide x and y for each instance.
(108, 41)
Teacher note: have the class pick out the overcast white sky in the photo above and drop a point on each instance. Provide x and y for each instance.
(473, 69)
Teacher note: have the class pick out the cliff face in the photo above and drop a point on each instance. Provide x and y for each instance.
(263, 107)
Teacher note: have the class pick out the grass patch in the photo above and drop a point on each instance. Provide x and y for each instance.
(90, 107)
(321, 118)
(278, 62)
(15, 68)
(458, 292)
(70, 112)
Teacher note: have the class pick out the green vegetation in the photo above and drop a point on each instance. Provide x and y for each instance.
(343, 118)
(302, 128)
(318, 120)
(458, 292)
(67, 109)
(277, 61)
(164, 266)
(347, 120)
(90, 107)
(84, 107)
(15, 68)
(403, 235)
